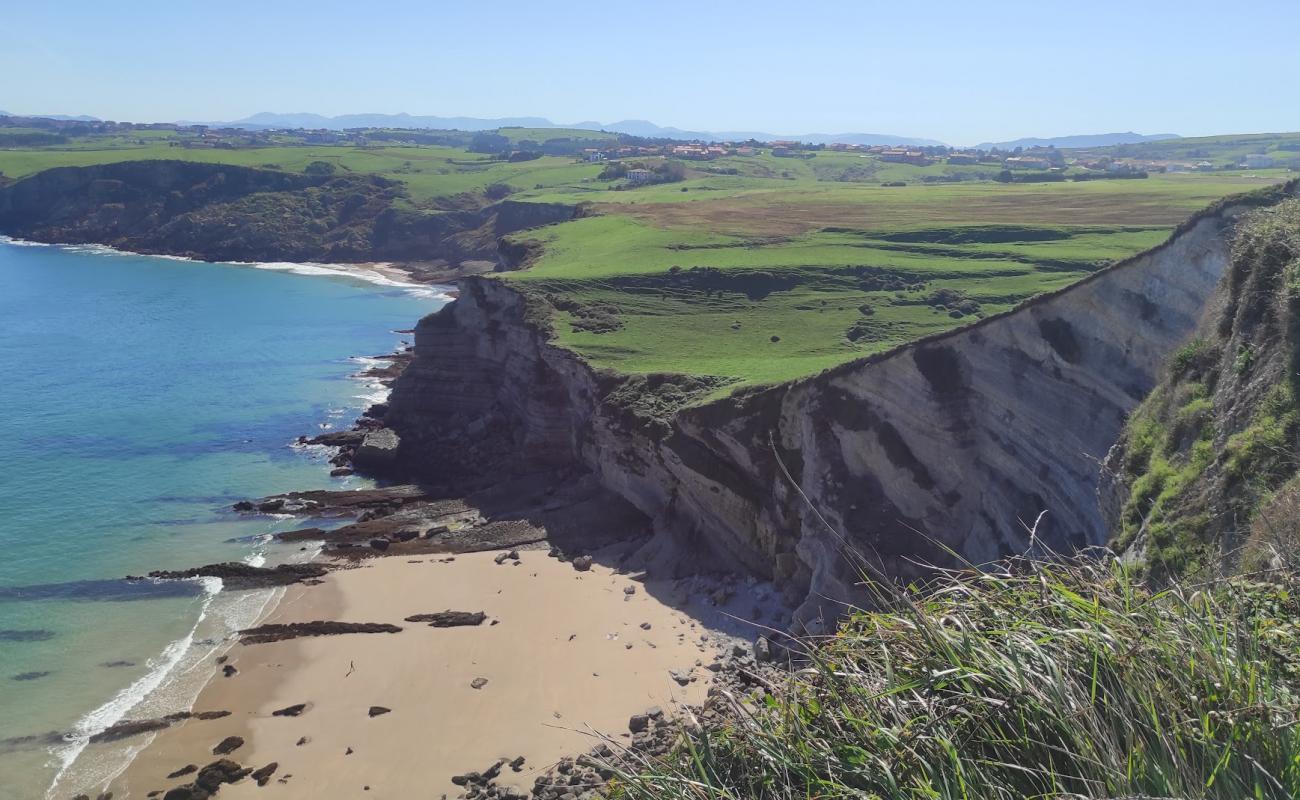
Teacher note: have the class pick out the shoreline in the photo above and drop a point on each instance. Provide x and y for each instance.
(152, 695)
(380, 273)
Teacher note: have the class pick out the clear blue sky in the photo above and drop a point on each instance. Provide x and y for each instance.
(959, 72)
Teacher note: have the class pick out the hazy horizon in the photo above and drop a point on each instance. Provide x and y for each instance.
(949, 72)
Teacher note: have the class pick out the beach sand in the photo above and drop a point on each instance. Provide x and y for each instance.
(557, 664)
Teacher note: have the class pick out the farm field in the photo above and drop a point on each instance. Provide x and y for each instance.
(759, 285)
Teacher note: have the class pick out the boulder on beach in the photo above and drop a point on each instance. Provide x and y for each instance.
(228, 745)
(377, 450)
(450, 619)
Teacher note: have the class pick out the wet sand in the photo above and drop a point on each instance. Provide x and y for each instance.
(558, 665)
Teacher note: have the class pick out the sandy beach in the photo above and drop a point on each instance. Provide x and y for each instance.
(566, 654)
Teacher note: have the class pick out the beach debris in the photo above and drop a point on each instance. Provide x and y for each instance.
(290, 711)
(517, 764)
(229, 670)
(376, 711)
(228, 745)
(348, 752)
(450, 619)
(478, 683)
(582, 563)
(276, 632)
(183, 771)
(263, 774)
(629, 590)
(645, 626)
(638, 723)
(682, 677)
(302, 741)
(513, 555)
(501, 558)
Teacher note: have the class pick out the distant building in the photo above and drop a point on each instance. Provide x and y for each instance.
(782, 152)
(963, 158)
(639, 176)
(1204, 166)
(745, 150)
(898, 155)
(593, 155)
(1256, 161)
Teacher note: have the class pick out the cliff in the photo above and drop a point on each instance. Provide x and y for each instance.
(1206, 477)
(954, 443)
(220, 212)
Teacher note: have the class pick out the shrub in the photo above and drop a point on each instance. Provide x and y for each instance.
(320, 168)
(498, 191)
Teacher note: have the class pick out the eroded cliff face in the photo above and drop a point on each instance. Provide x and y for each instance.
(950, 443)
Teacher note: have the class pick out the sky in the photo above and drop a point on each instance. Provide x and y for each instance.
(962, 73)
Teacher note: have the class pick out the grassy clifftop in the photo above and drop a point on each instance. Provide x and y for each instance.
(1209, 462)
(768, 283)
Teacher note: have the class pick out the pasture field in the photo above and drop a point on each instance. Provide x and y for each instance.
(758, 283)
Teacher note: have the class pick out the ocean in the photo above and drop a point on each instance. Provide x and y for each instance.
(139, 398)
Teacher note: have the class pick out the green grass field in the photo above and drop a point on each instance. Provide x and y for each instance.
(700, 282)
(758, 269)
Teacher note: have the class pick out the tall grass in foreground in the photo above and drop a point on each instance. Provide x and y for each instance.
(1044, 680)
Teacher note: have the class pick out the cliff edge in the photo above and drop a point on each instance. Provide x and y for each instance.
(950, 446)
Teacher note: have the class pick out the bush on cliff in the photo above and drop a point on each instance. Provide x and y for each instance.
(1220, 436)
(1041, 680)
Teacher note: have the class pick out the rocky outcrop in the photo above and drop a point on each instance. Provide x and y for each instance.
(279, 632)
(946, 449)
(238, 575)
(221, 212)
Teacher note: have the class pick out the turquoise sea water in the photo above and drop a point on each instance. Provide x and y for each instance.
(139, 398)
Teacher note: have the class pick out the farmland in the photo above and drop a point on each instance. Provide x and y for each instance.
(752, 268)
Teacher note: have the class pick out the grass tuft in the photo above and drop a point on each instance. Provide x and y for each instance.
(1042, 680)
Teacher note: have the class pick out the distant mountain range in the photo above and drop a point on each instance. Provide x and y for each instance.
(1086, 140)
(60, 117)
(632, 127)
